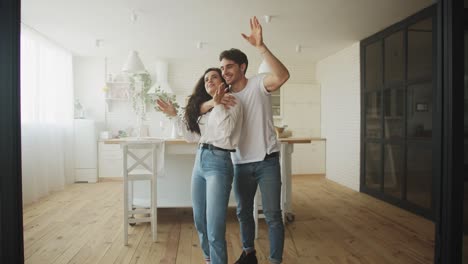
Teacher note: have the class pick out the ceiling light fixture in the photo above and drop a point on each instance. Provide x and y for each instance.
(200, 44)
(267, 18)
(298, 48)
(264, 67)
(133, 16)
(133, 63)
(99, 43)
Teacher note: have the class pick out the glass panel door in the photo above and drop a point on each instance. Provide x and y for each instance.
(465, 150)
(398, 114)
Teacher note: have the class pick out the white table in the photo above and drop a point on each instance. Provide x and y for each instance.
(287, 148)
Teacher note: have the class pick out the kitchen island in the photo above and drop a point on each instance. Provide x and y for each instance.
(174, 178)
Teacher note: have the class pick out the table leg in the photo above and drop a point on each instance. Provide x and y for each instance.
(286, 191)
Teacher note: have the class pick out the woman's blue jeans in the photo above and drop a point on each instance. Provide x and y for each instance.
(211, 185)
(267, 175)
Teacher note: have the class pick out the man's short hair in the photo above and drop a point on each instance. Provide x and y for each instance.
(235, 55)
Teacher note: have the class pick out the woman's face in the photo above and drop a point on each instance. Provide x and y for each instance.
(212, 82)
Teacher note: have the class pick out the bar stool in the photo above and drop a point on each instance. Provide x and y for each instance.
(140, 154)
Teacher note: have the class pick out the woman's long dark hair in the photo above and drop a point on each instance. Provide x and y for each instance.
(196, 99)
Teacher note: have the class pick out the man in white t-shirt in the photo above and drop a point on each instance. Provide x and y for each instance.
(257, 157)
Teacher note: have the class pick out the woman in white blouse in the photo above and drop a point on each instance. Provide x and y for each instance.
(218, 133)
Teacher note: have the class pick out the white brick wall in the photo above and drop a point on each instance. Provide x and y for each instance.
(301, 112)
(339, 76)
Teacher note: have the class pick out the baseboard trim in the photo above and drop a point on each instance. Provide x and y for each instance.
(309, 175)
(111, 179)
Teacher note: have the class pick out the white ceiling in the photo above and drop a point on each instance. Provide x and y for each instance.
(171, 29)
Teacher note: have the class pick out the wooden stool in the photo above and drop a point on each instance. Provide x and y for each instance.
(139, 170)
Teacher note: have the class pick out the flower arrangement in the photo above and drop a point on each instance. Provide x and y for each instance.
(140, 83)
(141, 95)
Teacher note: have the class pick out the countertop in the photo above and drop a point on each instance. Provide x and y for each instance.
(289, 140)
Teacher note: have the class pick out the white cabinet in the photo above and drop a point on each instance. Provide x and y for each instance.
(277, 103)
(309, 158)
(85, 152)
(110, 160)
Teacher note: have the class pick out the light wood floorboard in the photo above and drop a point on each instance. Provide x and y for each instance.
(333, 225)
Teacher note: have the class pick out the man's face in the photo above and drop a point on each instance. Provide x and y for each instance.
(232, 72)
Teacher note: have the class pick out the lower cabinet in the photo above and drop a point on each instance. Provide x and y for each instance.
(110, 160)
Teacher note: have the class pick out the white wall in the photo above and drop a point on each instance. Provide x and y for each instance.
(301, 113)
(89, 79)
(339, 76)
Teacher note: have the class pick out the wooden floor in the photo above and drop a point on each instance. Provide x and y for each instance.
(83, 224)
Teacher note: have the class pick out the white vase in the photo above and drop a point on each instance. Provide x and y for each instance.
(138, 126)
(174, 133)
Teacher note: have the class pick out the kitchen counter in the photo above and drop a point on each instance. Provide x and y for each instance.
(179, 157)
(183, 141)
(145, 139)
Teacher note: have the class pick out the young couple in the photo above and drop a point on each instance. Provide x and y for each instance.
(235, 131)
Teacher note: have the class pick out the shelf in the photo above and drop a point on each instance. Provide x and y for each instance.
(117, 99)
(117, 90)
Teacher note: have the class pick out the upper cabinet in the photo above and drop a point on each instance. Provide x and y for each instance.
(276, 103)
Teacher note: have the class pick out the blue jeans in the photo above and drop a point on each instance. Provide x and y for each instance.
(211, 185)
(267, 175)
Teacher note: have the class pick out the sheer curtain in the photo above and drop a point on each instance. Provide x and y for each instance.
(46, 115)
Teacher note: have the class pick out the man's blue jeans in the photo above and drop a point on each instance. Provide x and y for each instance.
(267, 175)
(211, 185)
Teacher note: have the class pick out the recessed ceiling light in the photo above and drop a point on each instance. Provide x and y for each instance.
(298, 48)
(200, 44)
(133, 16)
(99, 43)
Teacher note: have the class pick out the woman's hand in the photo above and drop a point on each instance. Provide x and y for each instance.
(166, 107)
(228, 100)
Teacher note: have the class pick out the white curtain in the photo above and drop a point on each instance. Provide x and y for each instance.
(46, 115)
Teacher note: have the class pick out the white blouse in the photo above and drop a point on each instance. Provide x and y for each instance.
(219, 127)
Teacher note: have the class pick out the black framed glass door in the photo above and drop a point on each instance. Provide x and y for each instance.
(398, 117)
(465, 141)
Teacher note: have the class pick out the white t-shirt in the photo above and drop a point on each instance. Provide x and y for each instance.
(219, 127)
(258, 131)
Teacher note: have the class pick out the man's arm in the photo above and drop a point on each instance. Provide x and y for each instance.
(279, 73)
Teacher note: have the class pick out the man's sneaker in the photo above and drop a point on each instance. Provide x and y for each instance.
(250, 258)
